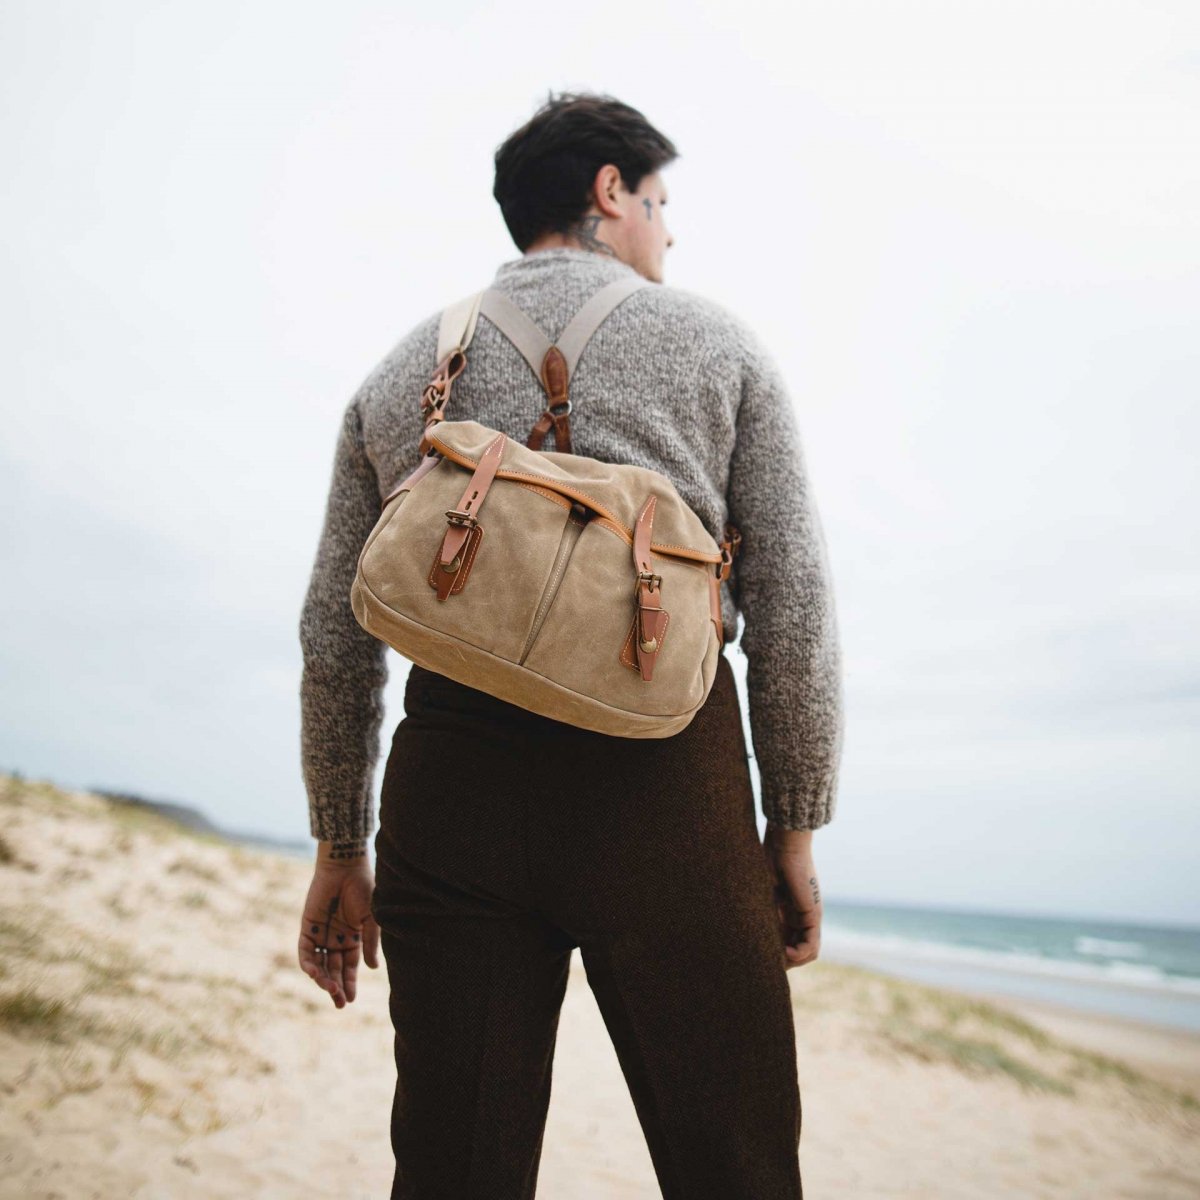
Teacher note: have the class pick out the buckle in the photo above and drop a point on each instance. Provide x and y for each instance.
(458, 516)
(434, 396)
(448, 370)
(650, 578)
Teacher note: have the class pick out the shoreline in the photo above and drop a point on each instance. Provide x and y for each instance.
(1166, 1009)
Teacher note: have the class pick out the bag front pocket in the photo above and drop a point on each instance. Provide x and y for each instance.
(581, 639)
(520, 537)
(576, 522)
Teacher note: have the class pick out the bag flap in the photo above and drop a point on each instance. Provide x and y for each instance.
(613, 490)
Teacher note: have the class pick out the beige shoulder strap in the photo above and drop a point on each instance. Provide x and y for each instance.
(459, 320)
(552, 364)
(517, 326)
(589, 318)
(458, 324)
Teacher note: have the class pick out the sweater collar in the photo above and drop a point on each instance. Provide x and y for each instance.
(562, 254)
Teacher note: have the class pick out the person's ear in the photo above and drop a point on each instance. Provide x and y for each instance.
(605, 189)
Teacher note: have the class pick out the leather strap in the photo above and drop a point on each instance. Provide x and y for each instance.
(554, 381)
(437, 394)
(464, 518)
(729, 545)
(651, 619)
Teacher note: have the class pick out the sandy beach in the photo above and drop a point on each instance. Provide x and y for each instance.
(158, 1041)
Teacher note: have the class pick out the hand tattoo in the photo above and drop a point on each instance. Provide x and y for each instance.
(333, 907)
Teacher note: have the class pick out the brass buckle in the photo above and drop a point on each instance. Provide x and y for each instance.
(458, 516)
(650, 578)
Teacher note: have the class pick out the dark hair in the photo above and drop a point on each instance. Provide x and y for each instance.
(545, 169)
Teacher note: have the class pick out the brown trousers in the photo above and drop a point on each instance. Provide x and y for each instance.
(506, 839)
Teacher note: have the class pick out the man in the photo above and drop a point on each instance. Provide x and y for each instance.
(674, 382)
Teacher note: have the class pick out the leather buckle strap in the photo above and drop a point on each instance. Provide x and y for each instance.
(554, 418)
(651, 617)
(554, 379)
(437, 392)
(463, 523)
(729, 547)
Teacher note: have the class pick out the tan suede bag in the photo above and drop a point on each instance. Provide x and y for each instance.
(582, 590)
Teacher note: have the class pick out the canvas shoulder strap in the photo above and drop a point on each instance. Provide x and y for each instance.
(457, 325)
(552, 363)
(519, 328)
(591, 316)
(459, 319)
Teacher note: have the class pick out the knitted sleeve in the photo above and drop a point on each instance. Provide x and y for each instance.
(345, 669)
(782, 586)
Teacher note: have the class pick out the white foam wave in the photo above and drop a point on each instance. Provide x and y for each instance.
(842, 941)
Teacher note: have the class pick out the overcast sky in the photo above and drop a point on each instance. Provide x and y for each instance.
(967, 230)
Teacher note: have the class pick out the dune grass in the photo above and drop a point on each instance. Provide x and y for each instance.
(972, 1035)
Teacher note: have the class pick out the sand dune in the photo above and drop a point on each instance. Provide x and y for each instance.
(158, 1040)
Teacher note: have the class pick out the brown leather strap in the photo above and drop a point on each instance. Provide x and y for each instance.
(729, 544)
(437, 393)
(554, 379)
(651, 617)
(463, 519)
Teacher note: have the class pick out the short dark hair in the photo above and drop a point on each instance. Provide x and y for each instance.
(545, 169)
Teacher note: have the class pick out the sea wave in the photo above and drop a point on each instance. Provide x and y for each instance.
(840, 941)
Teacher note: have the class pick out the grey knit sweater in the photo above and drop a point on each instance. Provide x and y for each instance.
(670, 381)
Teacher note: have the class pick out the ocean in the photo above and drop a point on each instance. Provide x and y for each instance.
(1144, 972)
